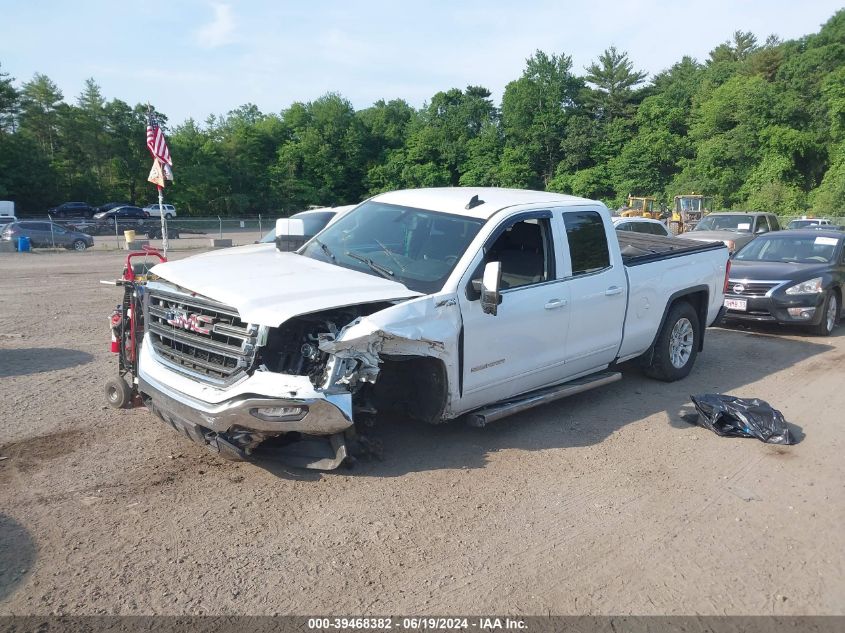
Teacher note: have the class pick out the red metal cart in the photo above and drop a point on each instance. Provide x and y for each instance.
(127, 326)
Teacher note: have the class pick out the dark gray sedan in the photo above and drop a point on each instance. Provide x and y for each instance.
(789, 277)
(43, 234)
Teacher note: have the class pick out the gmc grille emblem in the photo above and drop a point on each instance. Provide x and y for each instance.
(199, 323)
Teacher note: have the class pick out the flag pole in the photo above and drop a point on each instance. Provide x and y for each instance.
(164, 240)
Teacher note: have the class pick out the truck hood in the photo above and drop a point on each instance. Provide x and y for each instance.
(268, 287)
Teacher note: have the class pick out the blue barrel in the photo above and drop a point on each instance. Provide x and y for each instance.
(24, 245)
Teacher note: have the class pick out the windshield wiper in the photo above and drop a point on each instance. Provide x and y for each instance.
(381, 270)
(326, 250)
(391, 256)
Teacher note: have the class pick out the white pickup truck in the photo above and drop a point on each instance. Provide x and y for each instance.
(433, 303)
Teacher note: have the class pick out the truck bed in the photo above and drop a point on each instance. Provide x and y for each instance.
(641, 248)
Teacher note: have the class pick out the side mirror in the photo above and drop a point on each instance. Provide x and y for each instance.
(490, 285)
(290, 234)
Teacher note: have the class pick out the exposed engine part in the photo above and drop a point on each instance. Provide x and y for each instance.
(293, 348)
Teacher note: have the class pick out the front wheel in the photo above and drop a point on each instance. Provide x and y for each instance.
(79, 245)
(677, 344)
(168, 216)
(830, 315)
(675, 227)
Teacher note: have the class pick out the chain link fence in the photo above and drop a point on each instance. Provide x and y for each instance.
(182, 232)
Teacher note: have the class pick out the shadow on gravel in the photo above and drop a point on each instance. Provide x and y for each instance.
(34, 360)
(731, 361)
(17, 555)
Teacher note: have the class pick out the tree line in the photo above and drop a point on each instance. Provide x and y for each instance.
(759, 126)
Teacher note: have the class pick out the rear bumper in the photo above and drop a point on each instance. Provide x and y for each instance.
(186, 404)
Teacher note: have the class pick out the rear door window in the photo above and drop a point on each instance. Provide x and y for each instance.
(587, 242)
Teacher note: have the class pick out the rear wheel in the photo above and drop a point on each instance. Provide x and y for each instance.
(830, 315)
(79, 245)
(674, 227)
(677, 344)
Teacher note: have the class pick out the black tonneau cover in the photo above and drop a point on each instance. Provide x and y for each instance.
(642, 248)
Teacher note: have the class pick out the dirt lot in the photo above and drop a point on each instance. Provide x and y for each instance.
(606, 503)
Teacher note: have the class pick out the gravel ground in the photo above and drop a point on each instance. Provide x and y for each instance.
(605, 503)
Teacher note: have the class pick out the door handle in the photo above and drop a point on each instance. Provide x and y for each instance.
(613, 290)
(555, 303)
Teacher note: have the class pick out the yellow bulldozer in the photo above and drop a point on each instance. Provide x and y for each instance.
(688, 211)
(641, 207)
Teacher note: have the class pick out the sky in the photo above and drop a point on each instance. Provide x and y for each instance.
(192, 58)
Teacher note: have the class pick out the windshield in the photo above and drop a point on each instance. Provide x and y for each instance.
(725, 223)
(809, 249)
(415, 247)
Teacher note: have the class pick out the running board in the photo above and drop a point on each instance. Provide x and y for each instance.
(497, 411)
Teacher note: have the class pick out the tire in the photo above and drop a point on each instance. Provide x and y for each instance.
(676, 347)
(118, 393)
(79, 245)
(674, 227)
(168, 216)
(830, 315)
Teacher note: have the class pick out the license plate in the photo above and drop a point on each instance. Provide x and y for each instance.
(736, 304)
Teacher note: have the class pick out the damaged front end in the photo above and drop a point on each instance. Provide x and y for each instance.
(296, 390)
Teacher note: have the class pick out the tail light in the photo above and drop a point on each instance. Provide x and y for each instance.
(727, 275)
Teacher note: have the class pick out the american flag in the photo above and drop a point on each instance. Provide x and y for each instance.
(156, 142)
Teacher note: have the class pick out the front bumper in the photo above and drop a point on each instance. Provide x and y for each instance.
(191, 406)
(775, 309)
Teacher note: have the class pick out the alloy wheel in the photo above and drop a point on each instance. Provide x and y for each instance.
(681, 341)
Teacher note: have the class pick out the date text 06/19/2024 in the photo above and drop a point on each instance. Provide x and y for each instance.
(416, 623)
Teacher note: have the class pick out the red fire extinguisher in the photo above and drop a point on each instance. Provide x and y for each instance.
(114, 323)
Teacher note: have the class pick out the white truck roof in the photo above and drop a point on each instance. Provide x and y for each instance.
(455, 199)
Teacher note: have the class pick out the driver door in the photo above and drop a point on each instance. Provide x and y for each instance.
(521, 348)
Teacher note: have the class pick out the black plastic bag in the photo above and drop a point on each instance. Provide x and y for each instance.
(730, 416)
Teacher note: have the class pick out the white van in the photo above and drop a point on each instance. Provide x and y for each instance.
(7, 212)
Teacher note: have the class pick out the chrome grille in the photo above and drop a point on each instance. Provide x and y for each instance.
(751, 288)
(199, 337)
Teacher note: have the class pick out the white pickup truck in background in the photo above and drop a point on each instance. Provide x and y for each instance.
(433, 303)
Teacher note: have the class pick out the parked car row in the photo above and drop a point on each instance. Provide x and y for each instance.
(70, 210)
(790, 277)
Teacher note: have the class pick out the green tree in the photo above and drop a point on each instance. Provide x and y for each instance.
(41, 105)
(614, 77)
(9, 102)
(323, 162)
(535, 112)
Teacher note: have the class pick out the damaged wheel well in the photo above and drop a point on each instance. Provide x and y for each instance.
(415, 386)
